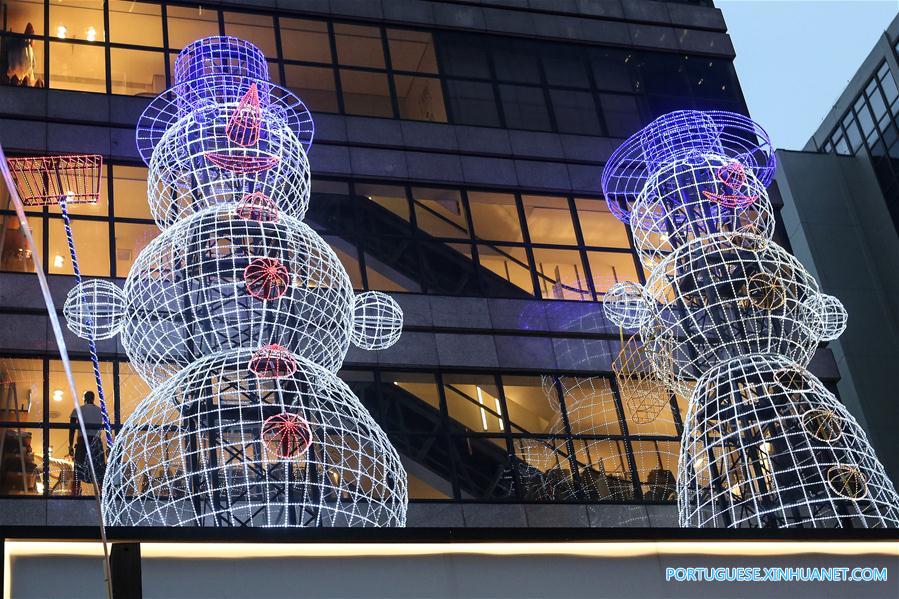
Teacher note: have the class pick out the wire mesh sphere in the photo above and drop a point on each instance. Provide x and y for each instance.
(95, 308)
(626, 305)
(766, 445)
(286, 435)
(219, 69)
(198, 452)
(377, 321)
(189, 295)
(676, 135)
(830, 316)
(694, 196)
(197, 164)
(723, 296)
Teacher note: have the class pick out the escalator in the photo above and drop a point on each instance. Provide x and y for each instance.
(436, 265)
(482, 467)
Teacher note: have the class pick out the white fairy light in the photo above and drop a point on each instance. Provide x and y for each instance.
(764, 443)
(237, 316)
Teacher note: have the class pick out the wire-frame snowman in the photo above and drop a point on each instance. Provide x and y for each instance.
(238, 316)
(732, 320)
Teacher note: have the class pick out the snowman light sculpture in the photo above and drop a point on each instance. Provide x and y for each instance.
(238, 315)
(731, 320)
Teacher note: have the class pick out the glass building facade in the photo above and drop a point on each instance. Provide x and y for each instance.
(459, 165)
(871, 126)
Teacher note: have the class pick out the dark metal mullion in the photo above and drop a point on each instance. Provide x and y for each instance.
(528, 249)
(280, 51)
(569, 440)
(388, 66)
(117, 392)
(106, 48)
(507, 430)
(622, 421)
(164, 15)
(335, 68)
(638, 265)
(357, 238)
(579, 237)
(423, 281)
(547, 98)
(444, 432)
(497, 97)
(595, 91)
(475, 255)
(45, 425)
(110, 218)
(46, 41)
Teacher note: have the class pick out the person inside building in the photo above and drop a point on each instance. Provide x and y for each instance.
(92, 421)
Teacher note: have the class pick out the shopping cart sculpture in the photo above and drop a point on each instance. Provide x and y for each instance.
(238, 315)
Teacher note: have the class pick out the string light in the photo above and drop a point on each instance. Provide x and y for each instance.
(764, 443)
(238, 315)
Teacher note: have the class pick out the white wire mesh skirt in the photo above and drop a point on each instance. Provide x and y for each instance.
(201, 450)
(767, 445)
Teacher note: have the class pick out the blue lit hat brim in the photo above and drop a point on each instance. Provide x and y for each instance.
(167, 108)
(738, 138)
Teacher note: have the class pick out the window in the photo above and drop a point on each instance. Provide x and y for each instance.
(349, 256)
(599, 225)
(315, 85)
(258, 29)
(510, 270)
(420, 98)
(549, 220)
(91, 241)
(136, 23)
(18, 14)
(17, 254)
(514, 63)
(387, 212)
(561, 275)
(22, 390)
(24, 62)
(566, 69)
(460, 427)
(365, 93)
(524, 107)
(129, 184)
(130, 240)
(575, 112)
(186, 24)
(609, 268)
(412, 51)
(463, 56)
(302, 39)
(622, 114)
(359, 46)
(137, 72)
(77, 20)
(440, 212)
(80, 67)
(472, 103)
(474, 402)
(533, 404)
(495, 216)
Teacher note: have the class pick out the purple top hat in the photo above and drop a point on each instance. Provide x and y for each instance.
(677, 135)
(220, 70)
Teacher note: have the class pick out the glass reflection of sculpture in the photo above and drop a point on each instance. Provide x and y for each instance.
(598, 464)
(238, 316)
(764, 443)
